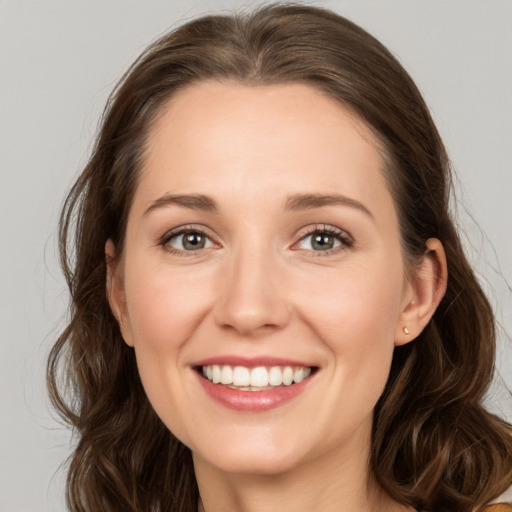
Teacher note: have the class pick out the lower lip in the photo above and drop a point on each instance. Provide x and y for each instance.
(252, 401)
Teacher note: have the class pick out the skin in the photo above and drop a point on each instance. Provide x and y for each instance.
(260, 288)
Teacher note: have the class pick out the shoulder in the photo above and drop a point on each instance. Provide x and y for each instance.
(499, 507)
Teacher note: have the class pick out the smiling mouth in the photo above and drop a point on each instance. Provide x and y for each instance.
(260, 378)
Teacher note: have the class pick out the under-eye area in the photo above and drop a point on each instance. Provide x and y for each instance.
(260, 378)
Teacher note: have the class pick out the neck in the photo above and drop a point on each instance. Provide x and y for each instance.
(327, 484)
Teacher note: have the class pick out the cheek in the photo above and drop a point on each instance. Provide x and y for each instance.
(164, 308)
(164, 305)
(355, 317)
(354, 304)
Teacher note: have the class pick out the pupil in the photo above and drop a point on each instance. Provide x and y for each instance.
(193, 241)
(323, 242)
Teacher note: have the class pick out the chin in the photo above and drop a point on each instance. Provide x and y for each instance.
(253, 459)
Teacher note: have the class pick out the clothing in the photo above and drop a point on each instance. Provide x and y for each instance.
(499, 507)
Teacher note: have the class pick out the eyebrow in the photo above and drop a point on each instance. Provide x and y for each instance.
(294, 203)
(310, 201)
(192, 201)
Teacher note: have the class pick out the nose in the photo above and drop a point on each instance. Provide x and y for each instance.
(252, 297)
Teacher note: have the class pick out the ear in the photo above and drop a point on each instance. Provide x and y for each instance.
(115, 292)
(426, 288)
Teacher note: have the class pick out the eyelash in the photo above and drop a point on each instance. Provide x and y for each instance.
(346, 240)
(164, 241)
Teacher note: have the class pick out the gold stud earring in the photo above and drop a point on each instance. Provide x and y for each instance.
(406, 331)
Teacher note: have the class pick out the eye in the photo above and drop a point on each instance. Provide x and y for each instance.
(187, 240)
(325, 239)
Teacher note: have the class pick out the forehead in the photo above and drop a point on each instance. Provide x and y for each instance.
(238, 139)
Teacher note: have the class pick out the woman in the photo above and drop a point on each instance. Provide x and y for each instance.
(290, 320)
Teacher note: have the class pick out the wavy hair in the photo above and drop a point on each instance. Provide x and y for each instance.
(434, 446)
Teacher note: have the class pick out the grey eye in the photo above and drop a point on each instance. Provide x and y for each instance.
(320, 242)
(190, 241)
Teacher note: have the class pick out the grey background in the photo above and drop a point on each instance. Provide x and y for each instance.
(58, 62)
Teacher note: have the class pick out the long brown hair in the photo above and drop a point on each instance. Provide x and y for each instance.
(434, 446)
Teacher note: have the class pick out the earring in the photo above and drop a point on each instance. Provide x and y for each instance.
(406, 331)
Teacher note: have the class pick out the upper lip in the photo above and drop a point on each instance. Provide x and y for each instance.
(251, 362)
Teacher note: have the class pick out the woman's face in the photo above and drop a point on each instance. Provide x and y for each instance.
(262, 245)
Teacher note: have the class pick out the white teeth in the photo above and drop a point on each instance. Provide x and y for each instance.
(287, 375)
(297, 375)
(259, 376)
(255, 379)
(226, 375)
(215, 374)
(241, 376)
(300, 374)
(275, 376)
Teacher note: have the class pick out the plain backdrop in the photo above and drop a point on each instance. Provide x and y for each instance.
(59, 59)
